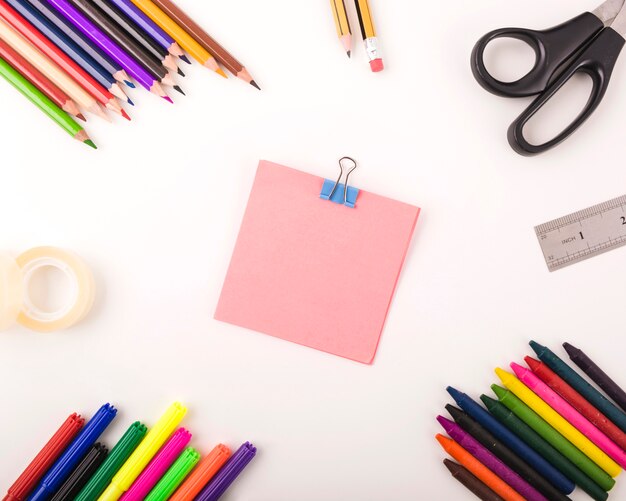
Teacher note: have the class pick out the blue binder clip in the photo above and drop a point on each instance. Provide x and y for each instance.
(340, 193)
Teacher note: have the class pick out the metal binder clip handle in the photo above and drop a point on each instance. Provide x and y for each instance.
(348, 171)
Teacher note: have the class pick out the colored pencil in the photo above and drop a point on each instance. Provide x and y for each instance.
(597, 375)
(118, 456)
(161, 54)
(81, 474)
(478, 469)
(142, 455)
(577, 401)
(31, 476)
(506, 455)
(44, 104)
(592, 451)
(552, 436)
(470, 482)
(571, 377)
(93, 33)
(58, 38)
(342, 24)
(49, 69)
(228, 473)
(71, 32)
(205, 471)
(151, 64)
(524, 451)
(571, 415)
(64, 465)
(478, 451)
(184, 39)
(174, 476)
(158, 466)
(40, 81)
(224, 57)
(543, 438)
(46, 47)
(150, 28)
(369, 35)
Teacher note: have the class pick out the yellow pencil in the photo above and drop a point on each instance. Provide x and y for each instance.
(184, 39)
(343, 25)
(559, 423)
(146, 450)
(369, 35)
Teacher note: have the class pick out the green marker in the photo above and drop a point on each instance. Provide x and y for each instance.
(554, 438)
(117, 457)
(175, 475)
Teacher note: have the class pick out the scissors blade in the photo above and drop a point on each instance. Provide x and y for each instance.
(608, 11)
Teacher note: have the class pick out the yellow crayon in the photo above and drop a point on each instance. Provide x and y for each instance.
(559, 423)
(146, 450)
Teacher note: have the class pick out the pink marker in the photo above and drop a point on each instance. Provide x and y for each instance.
(158, 466)
(574, 417)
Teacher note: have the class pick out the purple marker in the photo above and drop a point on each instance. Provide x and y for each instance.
(476, 449)
(228, 473)
(108, 46)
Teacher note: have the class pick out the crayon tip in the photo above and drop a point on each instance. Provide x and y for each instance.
(503, 375)
(180, 72)
(177, 88)
(537, 348)
(129, 83)
(444, 441)
(455, 412)
(168, 99)
(125, 115)
(82, 117)
(185, 58)
(455, 394)
(89, 142)
(499, 391)
(532, 363)
(518, 369)
(572, 351)
(446, 424)
(348, 52)
(489, 402)
(254, 84)
(453, 467)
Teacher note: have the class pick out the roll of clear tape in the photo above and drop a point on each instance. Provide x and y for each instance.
(81, 294)
(11, 291)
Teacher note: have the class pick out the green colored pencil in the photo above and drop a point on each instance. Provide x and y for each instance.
(554, 438)
(117, 457)
(175, 475)
(44, 104)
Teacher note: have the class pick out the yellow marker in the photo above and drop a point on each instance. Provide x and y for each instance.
(183, 38)
(553, 418)
(146, 450)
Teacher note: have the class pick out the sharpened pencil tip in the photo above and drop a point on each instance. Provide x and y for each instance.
(125, 115)
(180, 72)
(129, 100)
(130, 84)
(168, 99)
(220, 72)
(82, 117)
(349, 53)
(254, 84)
(89, 142)
(177, 88)
(185, 58)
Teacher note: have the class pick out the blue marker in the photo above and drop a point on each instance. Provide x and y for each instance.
(66, 463)
(475, 410)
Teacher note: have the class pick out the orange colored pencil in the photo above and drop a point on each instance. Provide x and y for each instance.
(202, 473)
(478, 469)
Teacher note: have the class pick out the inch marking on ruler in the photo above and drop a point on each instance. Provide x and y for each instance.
(583, 234)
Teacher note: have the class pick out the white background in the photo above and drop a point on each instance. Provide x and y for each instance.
(156, 210)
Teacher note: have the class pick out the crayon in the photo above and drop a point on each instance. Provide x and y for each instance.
(505, 454)
(479, 489)
(524, 451)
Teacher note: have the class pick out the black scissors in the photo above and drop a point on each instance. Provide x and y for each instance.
(589, 43)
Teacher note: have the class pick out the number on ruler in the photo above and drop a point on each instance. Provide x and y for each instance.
(581, 235)
(623, 220)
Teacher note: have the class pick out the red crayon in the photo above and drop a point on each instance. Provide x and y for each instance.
(576, 400)
(30, 477)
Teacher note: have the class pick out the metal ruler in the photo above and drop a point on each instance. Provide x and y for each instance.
(583, 234)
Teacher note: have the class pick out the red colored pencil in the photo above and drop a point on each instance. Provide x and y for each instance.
(34, 36)
(576, 400)
(39, 80)
(31, 476)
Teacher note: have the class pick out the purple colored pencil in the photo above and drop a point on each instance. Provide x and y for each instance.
(114, 51)
(228, 473)
(482, 454)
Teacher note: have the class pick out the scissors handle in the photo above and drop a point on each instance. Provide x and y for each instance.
(597, 60)
(552, 48)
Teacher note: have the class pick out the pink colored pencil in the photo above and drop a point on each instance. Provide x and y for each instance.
(158, 466)
(575, 418)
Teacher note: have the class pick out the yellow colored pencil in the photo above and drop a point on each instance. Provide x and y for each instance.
(559, 423)
(342, 24)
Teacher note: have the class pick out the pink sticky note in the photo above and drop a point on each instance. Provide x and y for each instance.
(312, 271)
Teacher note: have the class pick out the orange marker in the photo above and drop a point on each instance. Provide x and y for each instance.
(479, 470)
(201, 475)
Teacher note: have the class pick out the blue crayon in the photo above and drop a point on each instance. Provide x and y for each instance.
(525, 452)
(76, 451)
(571, 377)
